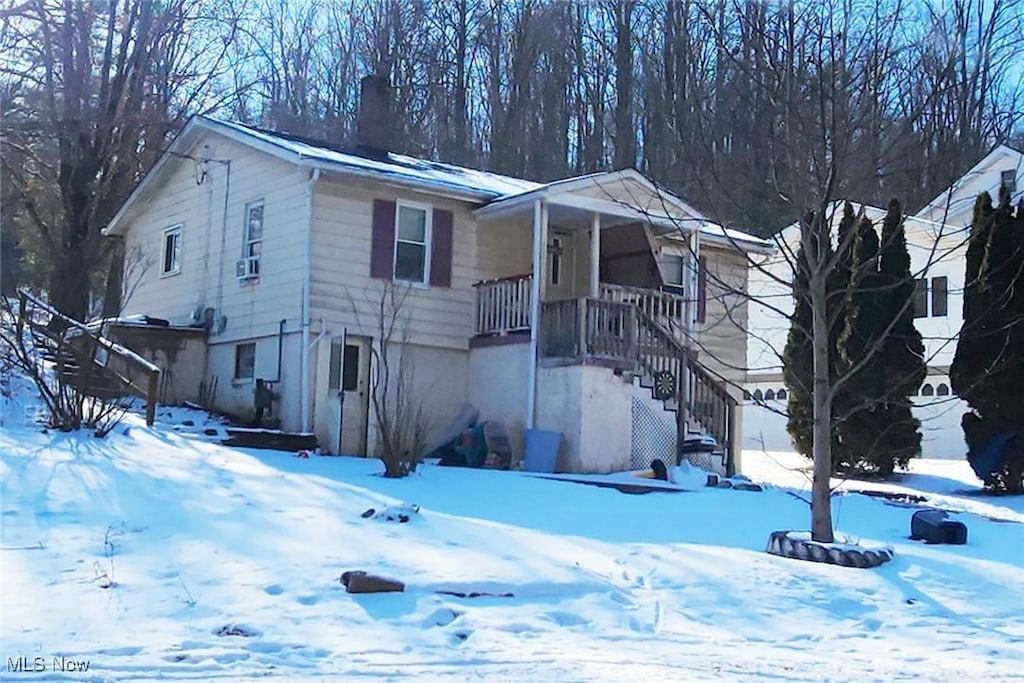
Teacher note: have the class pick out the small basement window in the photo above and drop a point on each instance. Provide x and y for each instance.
(245, 360)
(170, 251)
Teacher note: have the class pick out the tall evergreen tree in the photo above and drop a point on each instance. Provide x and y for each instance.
(860, 395)
(988, 369)
(901, 361)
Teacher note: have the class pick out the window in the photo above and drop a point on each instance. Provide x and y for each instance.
(781, 395)
(170, 257)
(555, 250)
(674, 271)
(245, 360)
(758, 396)
(943, 390)
(412, 244)
(769, 395)
(344, 368)
(927, 390)
(253, 246)
(1008, 179)
(940, 288)
(921, 298)
(939, 297)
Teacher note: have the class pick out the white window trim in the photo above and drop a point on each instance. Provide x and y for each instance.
(240, 381)
(246, 242)
(428, 242)
(174, 229)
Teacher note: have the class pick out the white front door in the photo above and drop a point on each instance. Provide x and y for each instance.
(561, 273)
(343, 395)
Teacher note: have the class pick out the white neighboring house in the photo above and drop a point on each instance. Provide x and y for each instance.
(540, 304)
(936, 239)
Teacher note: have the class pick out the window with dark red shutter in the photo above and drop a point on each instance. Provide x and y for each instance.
(441, 249)
(382, 241)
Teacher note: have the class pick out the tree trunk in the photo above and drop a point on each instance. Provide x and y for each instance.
(821, 493)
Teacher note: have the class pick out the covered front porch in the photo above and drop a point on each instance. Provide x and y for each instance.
(599, 297)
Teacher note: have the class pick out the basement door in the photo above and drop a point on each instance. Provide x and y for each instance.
(343, 395)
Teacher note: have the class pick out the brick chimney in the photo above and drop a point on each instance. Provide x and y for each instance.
(373, 122)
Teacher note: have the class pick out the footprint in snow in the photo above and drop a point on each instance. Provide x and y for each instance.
(442, 617)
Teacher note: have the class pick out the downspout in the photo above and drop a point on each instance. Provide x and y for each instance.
(307, 284)
(531, 381)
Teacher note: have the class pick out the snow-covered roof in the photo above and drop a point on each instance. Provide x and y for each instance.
(398, 166)
(493, 191)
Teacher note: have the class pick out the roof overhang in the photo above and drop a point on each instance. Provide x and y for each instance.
(626, 194)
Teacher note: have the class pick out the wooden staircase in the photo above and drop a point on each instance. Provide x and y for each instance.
(632, 340)
(84, 360)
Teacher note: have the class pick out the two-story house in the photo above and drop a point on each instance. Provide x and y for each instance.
(546, 306)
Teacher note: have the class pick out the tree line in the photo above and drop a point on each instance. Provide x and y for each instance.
(737, 105)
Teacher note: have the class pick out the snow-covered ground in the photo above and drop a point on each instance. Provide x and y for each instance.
(605, 586)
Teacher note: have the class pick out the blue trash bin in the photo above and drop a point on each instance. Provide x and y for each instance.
(541, 450)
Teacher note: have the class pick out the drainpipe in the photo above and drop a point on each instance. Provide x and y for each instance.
(307, 283)
(539, 244)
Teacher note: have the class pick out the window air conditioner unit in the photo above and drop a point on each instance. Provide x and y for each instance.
(247, 268)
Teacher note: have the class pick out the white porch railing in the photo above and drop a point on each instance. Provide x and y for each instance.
(503, 305)
(663, 307)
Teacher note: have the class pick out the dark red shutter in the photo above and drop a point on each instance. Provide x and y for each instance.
(382, 241)
(702, 289)
(441, 249)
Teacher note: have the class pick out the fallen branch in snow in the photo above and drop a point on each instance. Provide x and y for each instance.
(476, 594)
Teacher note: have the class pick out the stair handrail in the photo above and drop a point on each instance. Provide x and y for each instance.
(703, 383)
(129, 357)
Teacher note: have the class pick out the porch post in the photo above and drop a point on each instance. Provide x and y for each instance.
(540, 241)
(595, 256)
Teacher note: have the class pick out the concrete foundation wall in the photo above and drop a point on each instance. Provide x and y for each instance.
(498, 387)
(592, 408)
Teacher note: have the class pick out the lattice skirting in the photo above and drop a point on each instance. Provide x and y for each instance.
(654, 436)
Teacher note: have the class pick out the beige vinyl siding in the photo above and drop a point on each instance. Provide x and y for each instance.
(723, 336)
(207, 278)
(504, 247)
(344, 295)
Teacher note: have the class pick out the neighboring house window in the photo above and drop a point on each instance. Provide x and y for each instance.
(1008, 179)
(170, 256)
(769, 395)
(927, 390)
(940, 296)
(245, 360)
(781, 395)
(921, 298)
(943, 390)
(411, 243)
